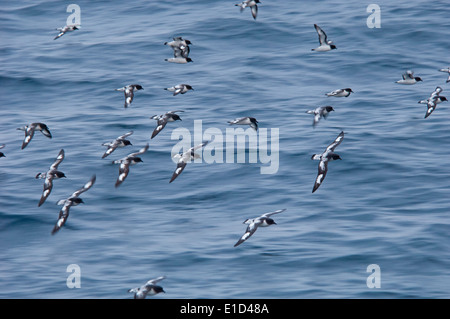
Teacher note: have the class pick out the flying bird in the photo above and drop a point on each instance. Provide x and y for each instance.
(67, 28)
(29, 132)
(179, 89)
(319, 112)
(51, 174)
(434, 99)
(324, 158)
(126, 162)
(253, 224)
(1, 153)
(150, 288)
(245, 121)
(129, 92)
(185, 158)
(447, 71)
(163, 119)
(325, 44)
(119, 142)
(409, 78)
(73, 200)
(252, 4)
(340, 92)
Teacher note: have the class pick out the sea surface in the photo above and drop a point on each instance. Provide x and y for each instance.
(386, 203)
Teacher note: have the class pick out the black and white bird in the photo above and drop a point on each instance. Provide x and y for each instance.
(252, 4)
(447, 70)
(185, 158)
(340, 92)
(178, 42)
(31, 128)
(162, 120)
(73, 200)
(150, 288)
(129, 92)
(119, 142)
(245, 121)
(325, 44)
(324, 158)
(126, 162)
(262, 221)
(409, 78)
(179, 89)
(434, 99)
(180, 55)
(319, 112)
(1, 153)
(51, 174)
(67, 28)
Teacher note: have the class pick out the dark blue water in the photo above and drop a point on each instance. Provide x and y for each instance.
(386, 203)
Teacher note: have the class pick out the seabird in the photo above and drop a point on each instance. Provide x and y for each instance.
(321, 111)
(340, 92)
(184, 158)
(179, 89)
(73, 200)
(118, 142)
(51, 174)
(163, 119)
(253, 224)
(124, 167)
(67, 28)
(129, 93)
(29, 132)
(249, 3)
(324, 158)
(245, 121)
(409, 78)
(447, 71)
(325, 44)
(150, 288)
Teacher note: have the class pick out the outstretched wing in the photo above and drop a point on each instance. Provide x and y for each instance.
(58, 160)
(248, 233)
(180, 167)
(254, 11)
(129, 95)
(162, 121)
(154, 281)
(48, 185)
(273, 213)
(141, 151)
(124, 169)
(85, 187)
(29, 133)
(322, 172)
(431, 106)
(121, 137)
(193, 149)
(322, 35)
(62, 218)
(336, 142)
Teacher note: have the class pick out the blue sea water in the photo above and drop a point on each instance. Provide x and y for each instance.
(386, 203)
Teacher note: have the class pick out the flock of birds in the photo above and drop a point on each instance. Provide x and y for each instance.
(181, 52)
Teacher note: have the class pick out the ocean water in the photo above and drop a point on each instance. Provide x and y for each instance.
(386, 203)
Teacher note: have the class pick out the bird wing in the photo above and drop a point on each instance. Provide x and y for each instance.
(141, 151)
(85, 187)
(322, 35)
(48, 185)
(180, 167)
(62, 218)
(58, 160)
(322, 172)
(124, 169)
(248, 233)
(29, 133)
(273, 213)
(336, 142)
